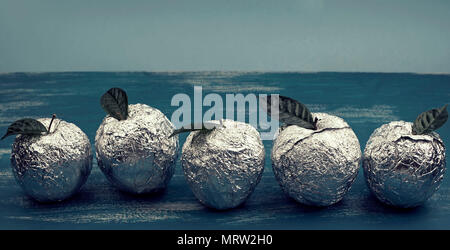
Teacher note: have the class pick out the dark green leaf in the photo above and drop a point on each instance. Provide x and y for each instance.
(25, 126)
(115, 103)
(291, 112)
(430, 120)
(205, 126)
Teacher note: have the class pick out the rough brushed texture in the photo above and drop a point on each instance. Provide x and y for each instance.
(317, 167)
(54, 166)
(137, 155)
(223, 166)
(403, 169)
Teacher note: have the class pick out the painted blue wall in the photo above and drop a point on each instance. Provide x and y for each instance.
(167, 35)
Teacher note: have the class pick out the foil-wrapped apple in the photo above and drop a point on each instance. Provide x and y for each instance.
(404, 162)
(133, 147)
(222, 162)
(50, 163)
(315, 157)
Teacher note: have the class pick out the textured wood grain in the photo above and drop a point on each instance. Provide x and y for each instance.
(364, 101)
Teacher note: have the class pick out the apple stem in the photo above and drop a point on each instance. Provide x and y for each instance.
(49, 126)
(315, 123)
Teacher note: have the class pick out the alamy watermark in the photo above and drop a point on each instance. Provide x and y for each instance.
(234, 104)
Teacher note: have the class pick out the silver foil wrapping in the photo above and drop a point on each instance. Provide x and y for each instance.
(136, 155)
(53, 166)
(317, 167)
(403, 169)
(223, 166)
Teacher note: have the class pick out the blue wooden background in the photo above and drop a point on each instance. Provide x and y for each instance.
(364, 100)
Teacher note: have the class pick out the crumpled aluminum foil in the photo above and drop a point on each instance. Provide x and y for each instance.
(223, 166)
(317, 167)
(403, 169)
(136, 155)
(52, 167)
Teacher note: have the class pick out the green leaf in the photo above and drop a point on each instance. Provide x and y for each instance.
(26, 126)
(291, 112)
(205, 126)
(115, 103)
(430, 120)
